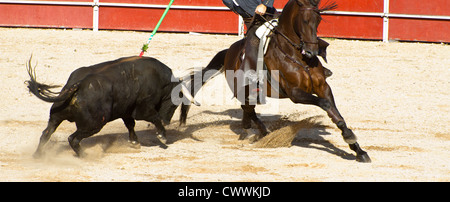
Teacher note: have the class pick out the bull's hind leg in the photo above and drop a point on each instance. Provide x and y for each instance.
(74, 142)
(248, 116)
(350, 138)
(160, 131)
(75, 139)
(53, 123)
(130, 123)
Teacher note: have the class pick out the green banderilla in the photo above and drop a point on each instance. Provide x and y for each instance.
(145, 46)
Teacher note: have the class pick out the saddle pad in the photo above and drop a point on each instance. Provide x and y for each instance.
(264, 30)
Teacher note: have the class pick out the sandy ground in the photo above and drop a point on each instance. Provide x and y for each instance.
(395, 97)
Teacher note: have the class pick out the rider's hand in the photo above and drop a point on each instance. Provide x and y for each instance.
(261, 9)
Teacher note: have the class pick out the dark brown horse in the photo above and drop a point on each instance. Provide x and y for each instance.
(292, 53)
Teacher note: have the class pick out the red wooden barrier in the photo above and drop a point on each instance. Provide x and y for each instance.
(361, 27)
(176, 20)
(354, 26)
(365, 19)
(420, 29)
(28, 15)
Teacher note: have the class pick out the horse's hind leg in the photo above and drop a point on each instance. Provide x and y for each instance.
(248, 116)
(53, 123)
(333, 113)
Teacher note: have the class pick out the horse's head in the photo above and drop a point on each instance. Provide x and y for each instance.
(306, 20)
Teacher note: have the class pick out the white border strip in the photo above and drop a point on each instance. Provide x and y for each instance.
(125, 5)
(220, 8)
(390, 15)
(57, 3)
(430, 17)
(217, 8)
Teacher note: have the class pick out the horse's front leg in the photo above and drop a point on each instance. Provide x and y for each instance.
(324, 92)
(326, 102)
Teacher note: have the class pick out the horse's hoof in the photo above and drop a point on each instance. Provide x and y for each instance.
(162, 139)
(251, 135)
(252, 139)
(242, 136)
(363, 158)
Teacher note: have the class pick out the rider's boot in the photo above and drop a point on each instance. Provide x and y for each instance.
(248, 65)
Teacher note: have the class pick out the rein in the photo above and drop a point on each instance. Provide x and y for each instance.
(296, 46)
(305, 67)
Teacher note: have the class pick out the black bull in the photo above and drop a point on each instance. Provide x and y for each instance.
(130, 88)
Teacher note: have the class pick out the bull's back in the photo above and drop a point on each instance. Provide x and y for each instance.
(134, 81)
(138, 82)
(145, 65)
(136, 75)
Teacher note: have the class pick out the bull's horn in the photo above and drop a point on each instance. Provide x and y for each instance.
(188, 95)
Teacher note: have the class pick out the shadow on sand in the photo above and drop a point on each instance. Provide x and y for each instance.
(309, 133)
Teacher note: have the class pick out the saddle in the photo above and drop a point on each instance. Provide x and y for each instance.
(263, 32)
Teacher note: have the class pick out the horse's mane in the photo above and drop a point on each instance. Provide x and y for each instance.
(314, 2)
(326, 6)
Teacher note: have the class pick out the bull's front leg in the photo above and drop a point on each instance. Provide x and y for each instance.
(133, 140)
(148, 112)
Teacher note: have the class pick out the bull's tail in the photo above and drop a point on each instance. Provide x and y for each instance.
(43, 91)
(203, 76)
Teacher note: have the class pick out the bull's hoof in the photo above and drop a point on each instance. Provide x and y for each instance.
(162, 139)
(37, 155)
(363, 158)
(134, 144)
(80, 154)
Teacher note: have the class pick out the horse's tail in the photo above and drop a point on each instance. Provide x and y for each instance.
(43, 92)
(198, 78)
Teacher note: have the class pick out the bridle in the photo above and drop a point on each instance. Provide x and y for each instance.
(315, 9)
(299, 46)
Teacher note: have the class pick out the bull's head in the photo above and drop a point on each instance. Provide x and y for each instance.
(188, 94)
(180, 93)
